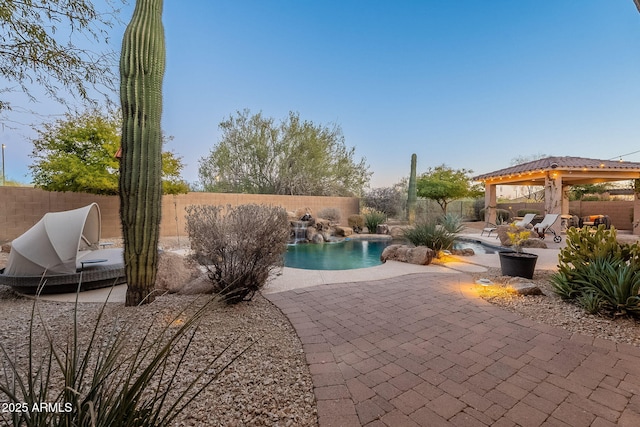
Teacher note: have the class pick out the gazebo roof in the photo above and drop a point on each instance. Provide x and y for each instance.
(573, 170)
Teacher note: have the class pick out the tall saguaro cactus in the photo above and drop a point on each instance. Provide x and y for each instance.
(413, 192)
(142, 64)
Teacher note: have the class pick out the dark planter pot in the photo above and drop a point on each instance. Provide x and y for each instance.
(519, 264)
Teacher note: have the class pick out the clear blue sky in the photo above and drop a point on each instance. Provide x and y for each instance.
(471, 84)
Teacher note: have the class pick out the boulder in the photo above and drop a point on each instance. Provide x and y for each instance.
(504, 237)
(199, 285)
(6, 248)
(175, 271)
(322, 224)
(312, 232)
(520, 286)
(534, 243)
(396, 233)
(317, 238)
(343, 231)
(420, 255)
(463, 252)
(382, 229)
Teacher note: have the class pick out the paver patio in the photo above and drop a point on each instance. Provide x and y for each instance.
(425, 350)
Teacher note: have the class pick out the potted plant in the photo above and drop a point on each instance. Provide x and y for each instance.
(518, 263)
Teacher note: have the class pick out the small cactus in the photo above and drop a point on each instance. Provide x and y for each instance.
(142, 64)
(413, 192)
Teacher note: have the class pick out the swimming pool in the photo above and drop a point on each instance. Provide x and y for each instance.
(345, 255)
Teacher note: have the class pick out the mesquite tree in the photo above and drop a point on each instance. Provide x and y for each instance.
(142, 64)
(412, 196)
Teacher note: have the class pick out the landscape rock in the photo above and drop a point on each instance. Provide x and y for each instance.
(317, 238)
(199, 285)
(382, 229)
(504, 237)
(463, 252)
(396, 233)
(322, 224)
(521, 286)
(312, 232)
(534, 243)
(6, 247)
(420, 255)
(343, 231)
(175, 271)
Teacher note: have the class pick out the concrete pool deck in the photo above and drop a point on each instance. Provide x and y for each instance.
(294, 278)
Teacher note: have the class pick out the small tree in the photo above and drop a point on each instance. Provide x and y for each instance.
(295, 157)
(388, 200)
(78, 153)
(444, 185)
(39, 45)
(239, 247)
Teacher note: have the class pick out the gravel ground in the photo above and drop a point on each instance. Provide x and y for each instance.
(268, 385)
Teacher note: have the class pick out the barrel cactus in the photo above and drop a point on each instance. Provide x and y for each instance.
(142, 64)
(413, 192)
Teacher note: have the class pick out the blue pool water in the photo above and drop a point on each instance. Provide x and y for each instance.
(345, 255)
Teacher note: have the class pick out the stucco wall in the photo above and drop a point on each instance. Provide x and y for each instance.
(20, 208)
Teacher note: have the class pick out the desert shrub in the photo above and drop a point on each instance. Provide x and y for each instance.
(502, 215)
(523, 212)
(240, 247)
(332, 214)
(596, 270)
(108, 378)
(356, 222)
(431, 234)
(374, 218)
(388, 200)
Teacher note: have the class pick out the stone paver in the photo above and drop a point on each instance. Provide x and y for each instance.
(424, 350)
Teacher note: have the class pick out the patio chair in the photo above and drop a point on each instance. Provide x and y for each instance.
(526, 220)
(544, 227)
(489, 228)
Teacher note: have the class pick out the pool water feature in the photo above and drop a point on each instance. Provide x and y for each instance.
(477, 246)
(344, 255)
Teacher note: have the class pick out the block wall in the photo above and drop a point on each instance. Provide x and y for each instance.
(21, 208)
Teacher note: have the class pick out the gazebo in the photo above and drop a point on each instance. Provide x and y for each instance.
(556, 175)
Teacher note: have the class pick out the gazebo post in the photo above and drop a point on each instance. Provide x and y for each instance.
(636, 208)
(490, 203)
(553, 194)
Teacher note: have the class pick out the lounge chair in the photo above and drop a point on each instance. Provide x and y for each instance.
(526, 220)
(489, 228)
(544, 227)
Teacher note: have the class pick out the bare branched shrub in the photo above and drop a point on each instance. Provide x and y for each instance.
(332, 214)
(239, 246)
